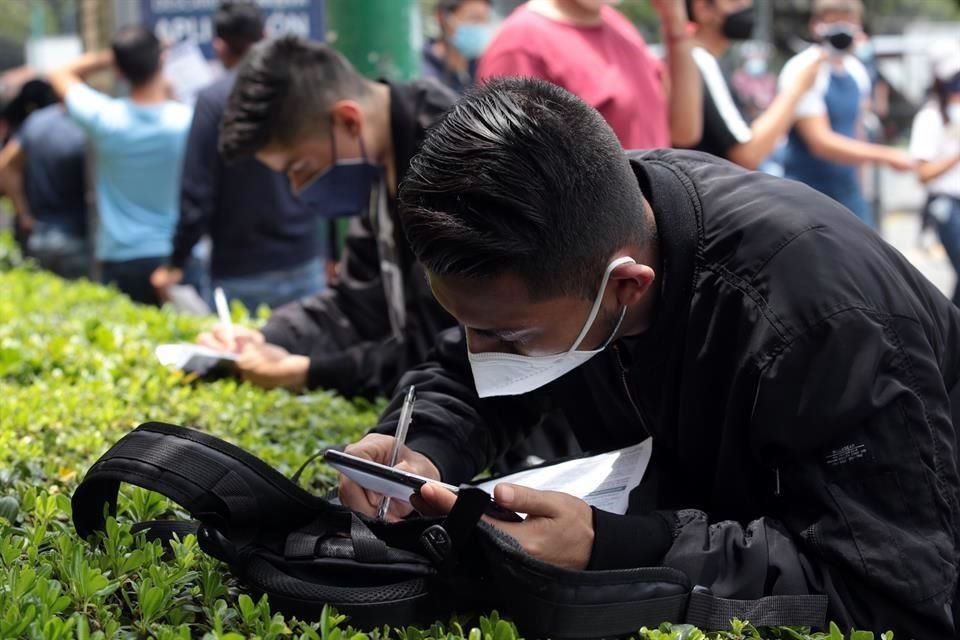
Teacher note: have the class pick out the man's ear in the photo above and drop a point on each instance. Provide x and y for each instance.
(632, 282)
(349, 115)
(220, 47)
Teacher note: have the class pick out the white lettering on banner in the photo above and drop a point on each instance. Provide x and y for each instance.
(295, 23)
(200, 28)
(196, 28)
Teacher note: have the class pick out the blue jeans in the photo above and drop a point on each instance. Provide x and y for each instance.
(948, 227)
(275, 288)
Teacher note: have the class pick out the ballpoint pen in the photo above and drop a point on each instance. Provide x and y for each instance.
(403, 425)
(223, 310)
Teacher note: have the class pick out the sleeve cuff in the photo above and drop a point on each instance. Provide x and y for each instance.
(329, 372)
(179, 258)
(623, 542)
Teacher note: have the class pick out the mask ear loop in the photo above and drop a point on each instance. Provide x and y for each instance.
(363, 149)
(333, 142)
(596, 303)
(333, 145)
(623, 314)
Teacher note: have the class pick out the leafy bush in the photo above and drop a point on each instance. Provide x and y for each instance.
(76, 373)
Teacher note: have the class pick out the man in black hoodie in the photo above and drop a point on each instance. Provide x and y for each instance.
(798, 376)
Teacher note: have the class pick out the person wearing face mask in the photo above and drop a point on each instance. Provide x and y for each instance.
(466, 28)
(794, 371)
(591, 49)
(265, 245)
(343, 142)
(823, 149)
(725, 133)
(935, 143)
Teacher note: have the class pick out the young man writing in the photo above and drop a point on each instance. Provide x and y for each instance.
(343, 142)
(794, 371)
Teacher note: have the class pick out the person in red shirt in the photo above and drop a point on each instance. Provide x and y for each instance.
(593, 51)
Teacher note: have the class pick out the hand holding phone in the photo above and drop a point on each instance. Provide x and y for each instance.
(378, 447)
(397, 483)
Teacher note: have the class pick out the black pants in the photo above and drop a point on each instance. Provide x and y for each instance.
(132, 277)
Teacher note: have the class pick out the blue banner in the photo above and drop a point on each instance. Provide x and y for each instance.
(176, 20)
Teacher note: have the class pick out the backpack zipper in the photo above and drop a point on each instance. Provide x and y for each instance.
(626, 389)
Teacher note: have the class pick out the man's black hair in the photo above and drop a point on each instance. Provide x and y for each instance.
(522, 177)
(285, 89)
(240, 24)
(33, 95)
(136, 52)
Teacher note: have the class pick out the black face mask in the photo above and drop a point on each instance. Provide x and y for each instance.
(739, 24)
(839, 36)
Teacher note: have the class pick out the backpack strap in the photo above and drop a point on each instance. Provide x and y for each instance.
(444, 542)
(710, 612)
(221, 485)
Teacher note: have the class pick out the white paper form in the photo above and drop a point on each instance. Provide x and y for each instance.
(192, 358)
(603, 481)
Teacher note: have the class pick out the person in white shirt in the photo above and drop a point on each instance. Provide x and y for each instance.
(935, 143)
(823, 150)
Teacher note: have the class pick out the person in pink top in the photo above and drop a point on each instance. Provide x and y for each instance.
(593, 51)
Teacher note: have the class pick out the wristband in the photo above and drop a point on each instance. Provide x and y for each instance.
(675, 38)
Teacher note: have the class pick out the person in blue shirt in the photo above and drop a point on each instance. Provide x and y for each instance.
(466, 28)
(48, 155)
(267, 245)
(138, 143)
(823, 150)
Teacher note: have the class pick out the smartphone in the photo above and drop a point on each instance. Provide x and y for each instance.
(396, 483)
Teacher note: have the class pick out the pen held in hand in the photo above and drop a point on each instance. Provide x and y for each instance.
(223, 311)
(403, 426)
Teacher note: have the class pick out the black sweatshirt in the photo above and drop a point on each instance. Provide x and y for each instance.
(255, 222)
(795, 382)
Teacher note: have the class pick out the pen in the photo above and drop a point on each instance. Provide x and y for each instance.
(223, 310)
(403, 425)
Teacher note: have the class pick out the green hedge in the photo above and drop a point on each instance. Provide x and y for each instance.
(77, 372)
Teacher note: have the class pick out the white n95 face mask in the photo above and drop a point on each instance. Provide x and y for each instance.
(511, 374)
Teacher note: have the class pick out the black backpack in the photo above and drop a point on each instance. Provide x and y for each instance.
(305, 551)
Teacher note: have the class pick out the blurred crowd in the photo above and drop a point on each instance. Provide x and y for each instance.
(244, 189)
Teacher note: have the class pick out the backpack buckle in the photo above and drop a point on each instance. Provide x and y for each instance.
(214, 543)
(438, 545)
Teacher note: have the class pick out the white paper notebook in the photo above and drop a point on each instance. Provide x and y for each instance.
(603, 481)
(193, 358)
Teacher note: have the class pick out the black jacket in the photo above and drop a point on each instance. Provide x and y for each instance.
(254, 220)
(379, 318)
(795, 382)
